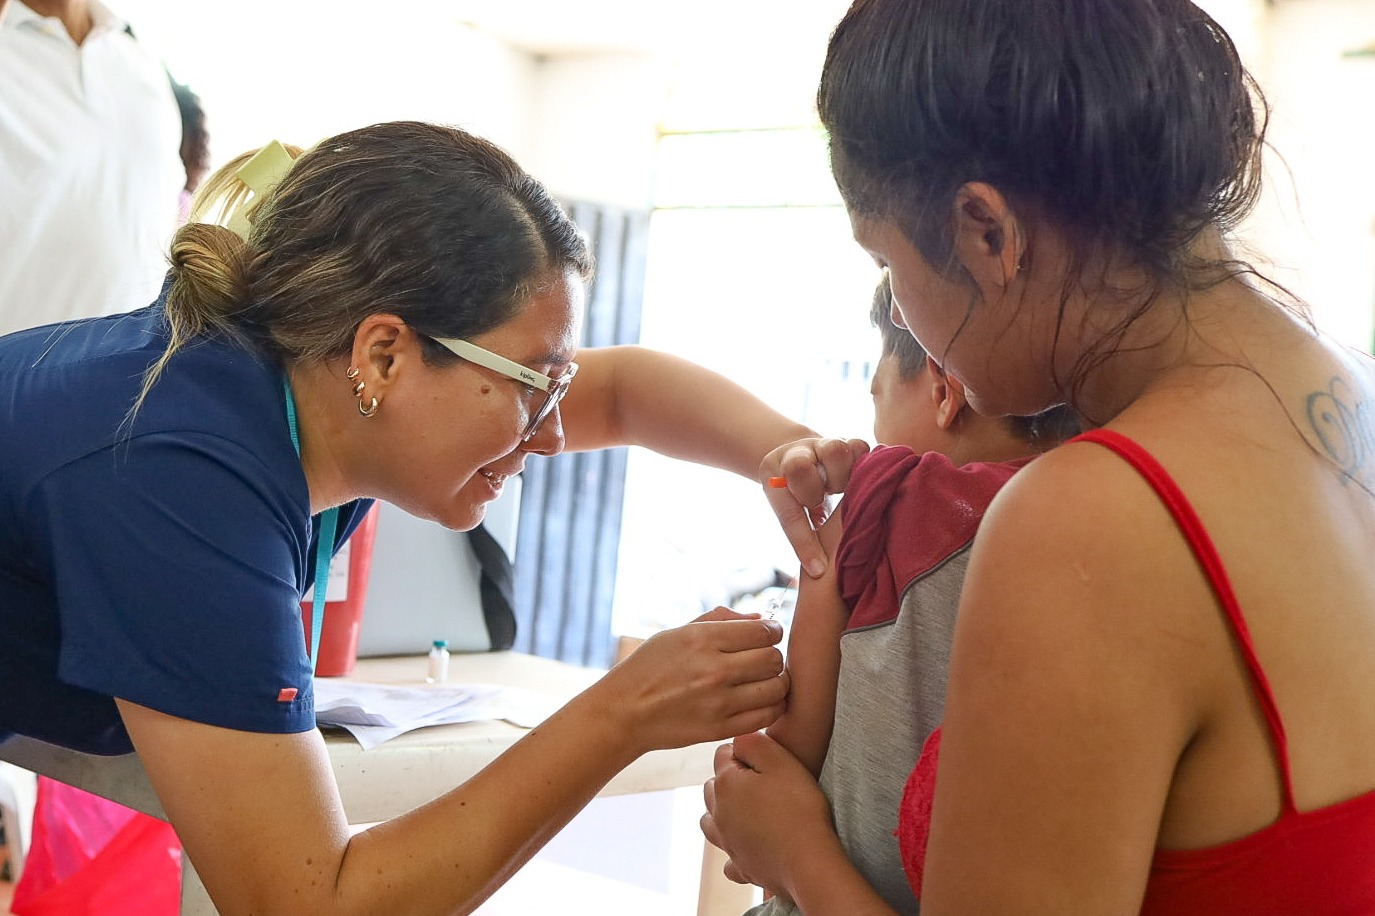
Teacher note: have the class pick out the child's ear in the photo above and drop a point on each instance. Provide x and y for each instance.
(946, 393)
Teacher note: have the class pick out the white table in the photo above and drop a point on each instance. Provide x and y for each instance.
(411, 769)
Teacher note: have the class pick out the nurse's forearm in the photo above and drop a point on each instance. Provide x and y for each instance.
(489, 827)
(637, 396)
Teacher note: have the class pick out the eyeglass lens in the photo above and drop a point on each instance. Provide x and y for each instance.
(551, 400)
(540, 415)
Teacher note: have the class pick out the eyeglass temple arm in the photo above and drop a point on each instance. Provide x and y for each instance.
(474, 353)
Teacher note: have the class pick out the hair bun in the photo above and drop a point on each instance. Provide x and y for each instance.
(209, 264)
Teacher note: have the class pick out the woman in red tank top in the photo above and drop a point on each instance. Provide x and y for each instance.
(1159, 693)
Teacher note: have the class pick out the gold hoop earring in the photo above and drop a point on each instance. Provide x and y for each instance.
(353, 373)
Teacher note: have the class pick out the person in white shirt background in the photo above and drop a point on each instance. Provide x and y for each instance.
(89, 165)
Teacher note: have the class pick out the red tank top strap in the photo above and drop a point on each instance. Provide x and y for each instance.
(1202, 545)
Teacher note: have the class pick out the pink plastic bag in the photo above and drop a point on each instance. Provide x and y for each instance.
(92, 857)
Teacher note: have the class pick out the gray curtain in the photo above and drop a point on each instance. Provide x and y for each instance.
(570, 510)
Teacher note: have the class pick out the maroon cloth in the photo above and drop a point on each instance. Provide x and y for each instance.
(1318, 863)
(879, 556)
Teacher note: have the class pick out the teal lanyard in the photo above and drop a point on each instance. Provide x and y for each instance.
(324, 548)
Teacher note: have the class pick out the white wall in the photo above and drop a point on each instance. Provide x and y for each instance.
(297, 70)
(1317, 221)
(595, 123)
(1245, 21)
(586, 123)
(300, 70)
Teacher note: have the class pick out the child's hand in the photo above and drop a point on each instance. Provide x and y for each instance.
(767, 813)
(797, 478)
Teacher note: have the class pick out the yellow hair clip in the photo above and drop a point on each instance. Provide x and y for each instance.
(262, 173)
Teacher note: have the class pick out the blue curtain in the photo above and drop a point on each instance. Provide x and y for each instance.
(570, 509)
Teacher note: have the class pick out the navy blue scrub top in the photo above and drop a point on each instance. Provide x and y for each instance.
(160, 559)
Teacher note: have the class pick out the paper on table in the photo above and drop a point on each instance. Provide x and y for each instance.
(374, 713)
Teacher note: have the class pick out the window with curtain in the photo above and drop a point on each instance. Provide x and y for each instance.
(570, 506)
(752, 272)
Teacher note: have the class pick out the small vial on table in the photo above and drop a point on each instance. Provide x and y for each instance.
(439, 663)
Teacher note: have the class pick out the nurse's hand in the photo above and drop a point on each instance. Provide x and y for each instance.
(798, 477)
(719, 676)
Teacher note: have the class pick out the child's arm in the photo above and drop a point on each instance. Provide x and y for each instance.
(813, 660)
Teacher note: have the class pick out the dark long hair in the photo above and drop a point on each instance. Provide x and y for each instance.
(1131, 125)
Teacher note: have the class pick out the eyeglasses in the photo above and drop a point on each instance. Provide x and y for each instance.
(554, 388)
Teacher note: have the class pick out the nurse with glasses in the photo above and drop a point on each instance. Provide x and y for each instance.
(159, 539)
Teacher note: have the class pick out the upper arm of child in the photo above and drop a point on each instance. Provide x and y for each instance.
(813, 660)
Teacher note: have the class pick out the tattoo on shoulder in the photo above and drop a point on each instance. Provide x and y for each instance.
(1342, 419)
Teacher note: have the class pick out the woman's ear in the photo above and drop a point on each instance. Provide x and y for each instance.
(989, 241)
(379, 342)
(947, 393)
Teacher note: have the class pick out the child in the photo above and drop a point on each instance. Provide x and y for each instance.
(870, 642)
